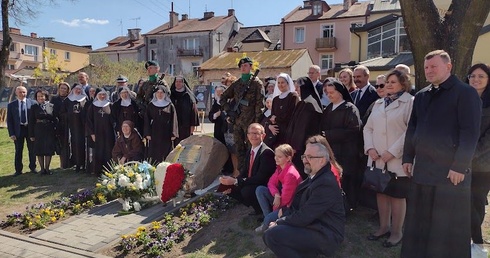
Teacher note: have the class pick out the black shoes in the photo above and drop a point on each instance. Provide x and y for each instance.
(34, 171)
(46, 172)
(17, 173)
(373, 237)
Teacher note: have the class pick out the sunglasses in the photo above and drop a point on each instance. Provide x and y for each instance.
(379, 86)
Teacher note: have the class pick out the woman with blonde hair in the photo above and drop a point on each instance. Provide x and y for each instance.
(346, 77)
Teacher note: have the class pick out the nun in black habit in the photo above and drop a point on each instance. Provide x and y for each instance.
(185, 105)
(304, 121)
(161, 126)
(341, 125)
(100, 128)
(125, 108)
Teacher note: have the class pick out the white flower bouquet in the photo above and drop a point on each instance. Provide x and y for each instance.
(132, 184)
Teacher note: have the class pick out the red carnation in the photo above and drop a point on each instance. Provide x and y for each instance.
(173, 181)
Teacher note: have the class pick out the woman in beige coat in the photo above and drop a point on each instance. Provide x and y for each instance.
(384, 135)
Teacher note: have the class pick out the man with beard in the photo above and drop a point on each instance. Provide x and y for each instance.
(314, 223)
(62, 131)
(185, 106)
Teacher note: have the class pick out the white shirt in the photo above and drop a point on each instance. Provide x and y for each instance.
(20, 109)
(334, 106)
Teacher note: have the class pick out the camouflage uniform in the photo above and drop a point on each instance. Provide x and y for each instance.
(249, 114)
(145, 93)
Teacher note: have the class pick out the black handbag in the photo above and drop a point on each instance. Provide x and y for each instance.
(376, 179)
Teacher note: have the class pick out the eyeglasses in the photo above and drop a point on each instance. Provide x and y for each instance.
(308, 157)
(479, 76)
(379, 86)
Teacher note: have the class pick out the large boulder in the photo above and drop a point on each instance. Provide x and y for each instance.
(203, 156)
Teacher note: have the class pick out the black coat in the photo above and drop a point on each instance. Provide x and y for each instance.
(219, 122)
(318, 205)
(481, 159)
(443, 132)
(341, 127)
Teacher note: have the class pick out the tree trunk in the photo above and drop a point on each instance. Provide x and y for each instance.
(456, 32)
(7, 40)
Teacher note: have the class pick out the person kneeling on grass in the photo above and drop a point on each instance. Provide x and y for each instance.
(314, 223)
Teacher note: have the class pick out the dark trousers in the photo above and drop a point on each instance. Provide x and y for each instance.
(437, 223)
(19, 149)
(480, 185)
(289, 241)
(246, 195)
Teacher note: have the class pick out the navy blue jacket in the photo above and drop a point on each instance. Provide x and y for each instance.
(13, 118)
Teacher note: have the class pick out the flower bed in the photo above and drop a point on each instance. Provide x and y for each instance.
(40, 215)
(161, 236)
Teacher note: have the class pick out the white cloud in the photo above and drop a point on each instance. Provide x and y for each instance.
(72, 23)
(94, 21)
(84, 22)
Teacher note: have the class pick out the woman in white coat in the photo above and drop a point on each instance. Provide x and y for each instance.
(384, 135)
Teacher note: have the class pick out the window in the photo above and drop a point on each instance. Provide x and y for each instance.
(12, 47)
(326, 61)
(327, 31)
(299, 35)
(171, 43)
(317, 9)
(31, 50)
(388, 40)
(195, 68)
(52, 52)
(153, 41)
(11, 67)
(67, 55)
(191, 43)
(153, 54)
(171, 69)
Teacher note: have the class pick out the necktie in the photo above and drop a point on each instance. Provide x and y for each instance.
(23, 118)
(252, 157)
(358, 97)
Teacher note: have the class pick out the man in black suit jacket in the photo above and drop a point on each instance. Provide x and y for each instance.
(83, 80)
(18, 112)
(365, 93)
(259, 167)
(314, 223)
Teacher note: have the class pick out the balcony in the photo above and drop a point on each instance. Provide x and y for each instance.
(189, 52)
(14, 55)
(325, 44)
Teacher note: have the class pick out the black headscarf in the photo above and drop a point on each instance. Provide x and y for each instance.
(309, 93)
(339, 87)
(173, 89)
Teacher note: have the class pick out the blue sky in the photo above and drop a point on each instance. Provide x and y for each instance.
(94, 22)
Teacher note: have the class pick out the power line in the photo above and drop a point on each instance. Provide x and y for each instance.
(149, 8)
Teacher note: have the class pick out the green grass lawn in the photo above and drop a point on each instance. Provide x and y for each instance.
(28, 188)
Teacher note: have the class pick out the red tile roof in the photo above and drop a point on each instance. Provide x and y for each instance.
(300, 14)
(192, 25)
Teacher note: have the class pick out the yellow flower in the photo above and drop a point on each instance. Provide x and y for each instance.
(130, 173)
(37, 217)
(109, 174)
(141, 229)
(98, 185)
(138, 234)
(124, 236)
(61, 213)
(30, 224)
(156, 224)
(53, 219)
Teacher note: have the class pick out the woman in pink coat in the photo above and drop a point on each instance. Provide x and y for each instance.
(281, 186)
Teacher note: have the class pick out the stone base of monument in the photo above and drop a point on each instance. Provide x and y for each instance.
(203, 156)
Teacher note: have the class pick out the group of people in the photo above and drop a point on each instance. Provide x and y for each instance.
(313, 140)
(91, 129)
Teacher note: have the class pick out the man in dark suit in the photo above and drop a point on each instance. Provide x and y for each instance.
(365, 93)
(314, 223)
(440, 141)
(259, 167)
(83, 80)
(18, 112)
(314, 75)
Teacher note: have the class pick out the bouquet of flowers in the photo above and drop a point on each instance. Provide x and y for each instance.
(170, 180)
(130, 183)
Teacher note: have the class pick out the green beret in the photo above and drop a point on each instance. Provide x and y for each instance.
(245, 60)
(151, 63)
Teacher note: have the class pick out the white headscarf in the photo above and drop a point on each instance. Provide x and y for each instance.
(161, 102)
(289, 80)
(267, 113)
(125, 102)
(101, 103)
(77, 97)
